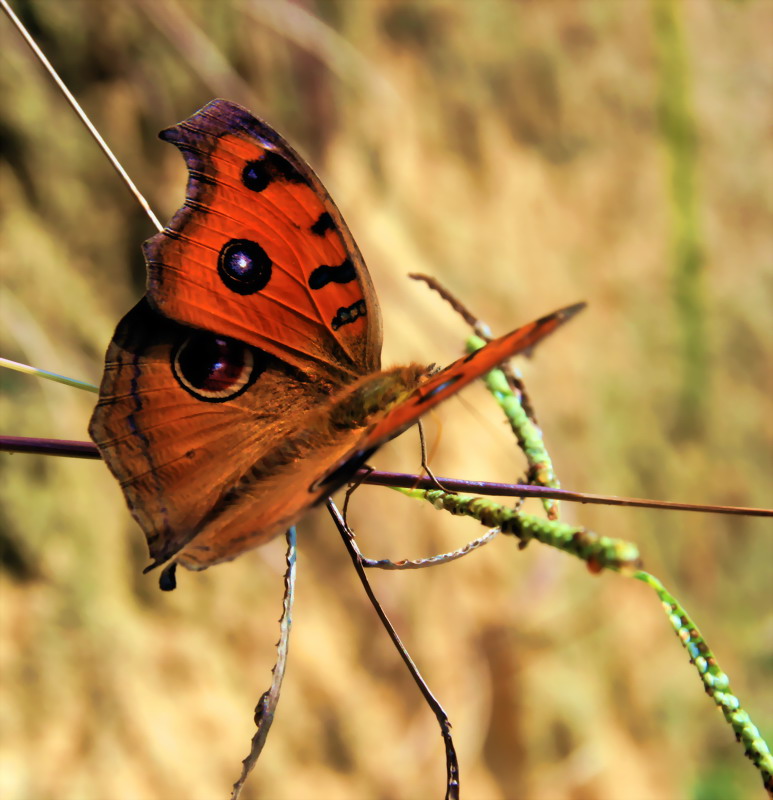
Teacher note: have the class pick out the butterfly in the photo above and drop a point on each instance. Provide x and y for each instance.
(246, 385)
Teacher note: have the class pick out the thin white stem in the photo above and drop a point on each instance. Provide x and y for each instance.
(42, 373)
(81, 113)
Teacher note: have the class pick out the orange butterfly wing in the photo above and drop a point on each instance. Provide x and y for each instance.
(462, 372)
(260, 253)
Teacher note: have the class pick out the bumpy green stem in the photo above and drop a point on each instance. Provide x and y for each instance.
(715, 681)
(600, 552)
(528, 434)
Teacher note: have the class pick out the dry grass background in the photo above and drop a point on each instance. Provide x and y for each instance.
(518, 151)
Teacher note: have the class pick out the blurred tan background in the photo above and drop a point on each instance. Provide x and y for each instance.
(528, 154)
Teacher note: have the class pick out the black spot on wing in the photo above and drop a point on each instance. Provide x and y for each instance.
(348, 314)
(244, 266)
(258, 174)
(215, 369)
(323, 224)
(323, 275)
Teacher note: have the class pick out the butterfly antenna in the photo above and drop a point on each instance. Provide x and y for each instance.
(81, 114)
(425, 460)
(452, 763)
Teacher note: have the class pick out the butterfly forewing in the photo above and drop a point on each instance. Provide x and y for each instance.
(462, 372)
(260, 253)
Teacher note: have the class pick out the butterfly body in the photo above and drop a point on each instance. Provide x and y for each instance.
(246, 385)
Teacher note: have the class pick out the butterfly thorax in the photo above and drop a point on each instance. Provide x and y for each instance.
(373, 395)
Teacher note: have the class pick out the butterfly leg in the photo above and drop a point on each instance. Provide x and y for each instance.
(452, 763)
(360, 478)
(430, 561)
(425, 460)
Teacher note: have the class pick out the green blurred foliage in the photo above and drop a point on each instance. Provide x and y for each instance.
(525, 154)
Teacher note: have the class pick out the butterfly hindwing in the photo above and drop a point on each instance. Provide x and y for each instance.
(195, 428)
